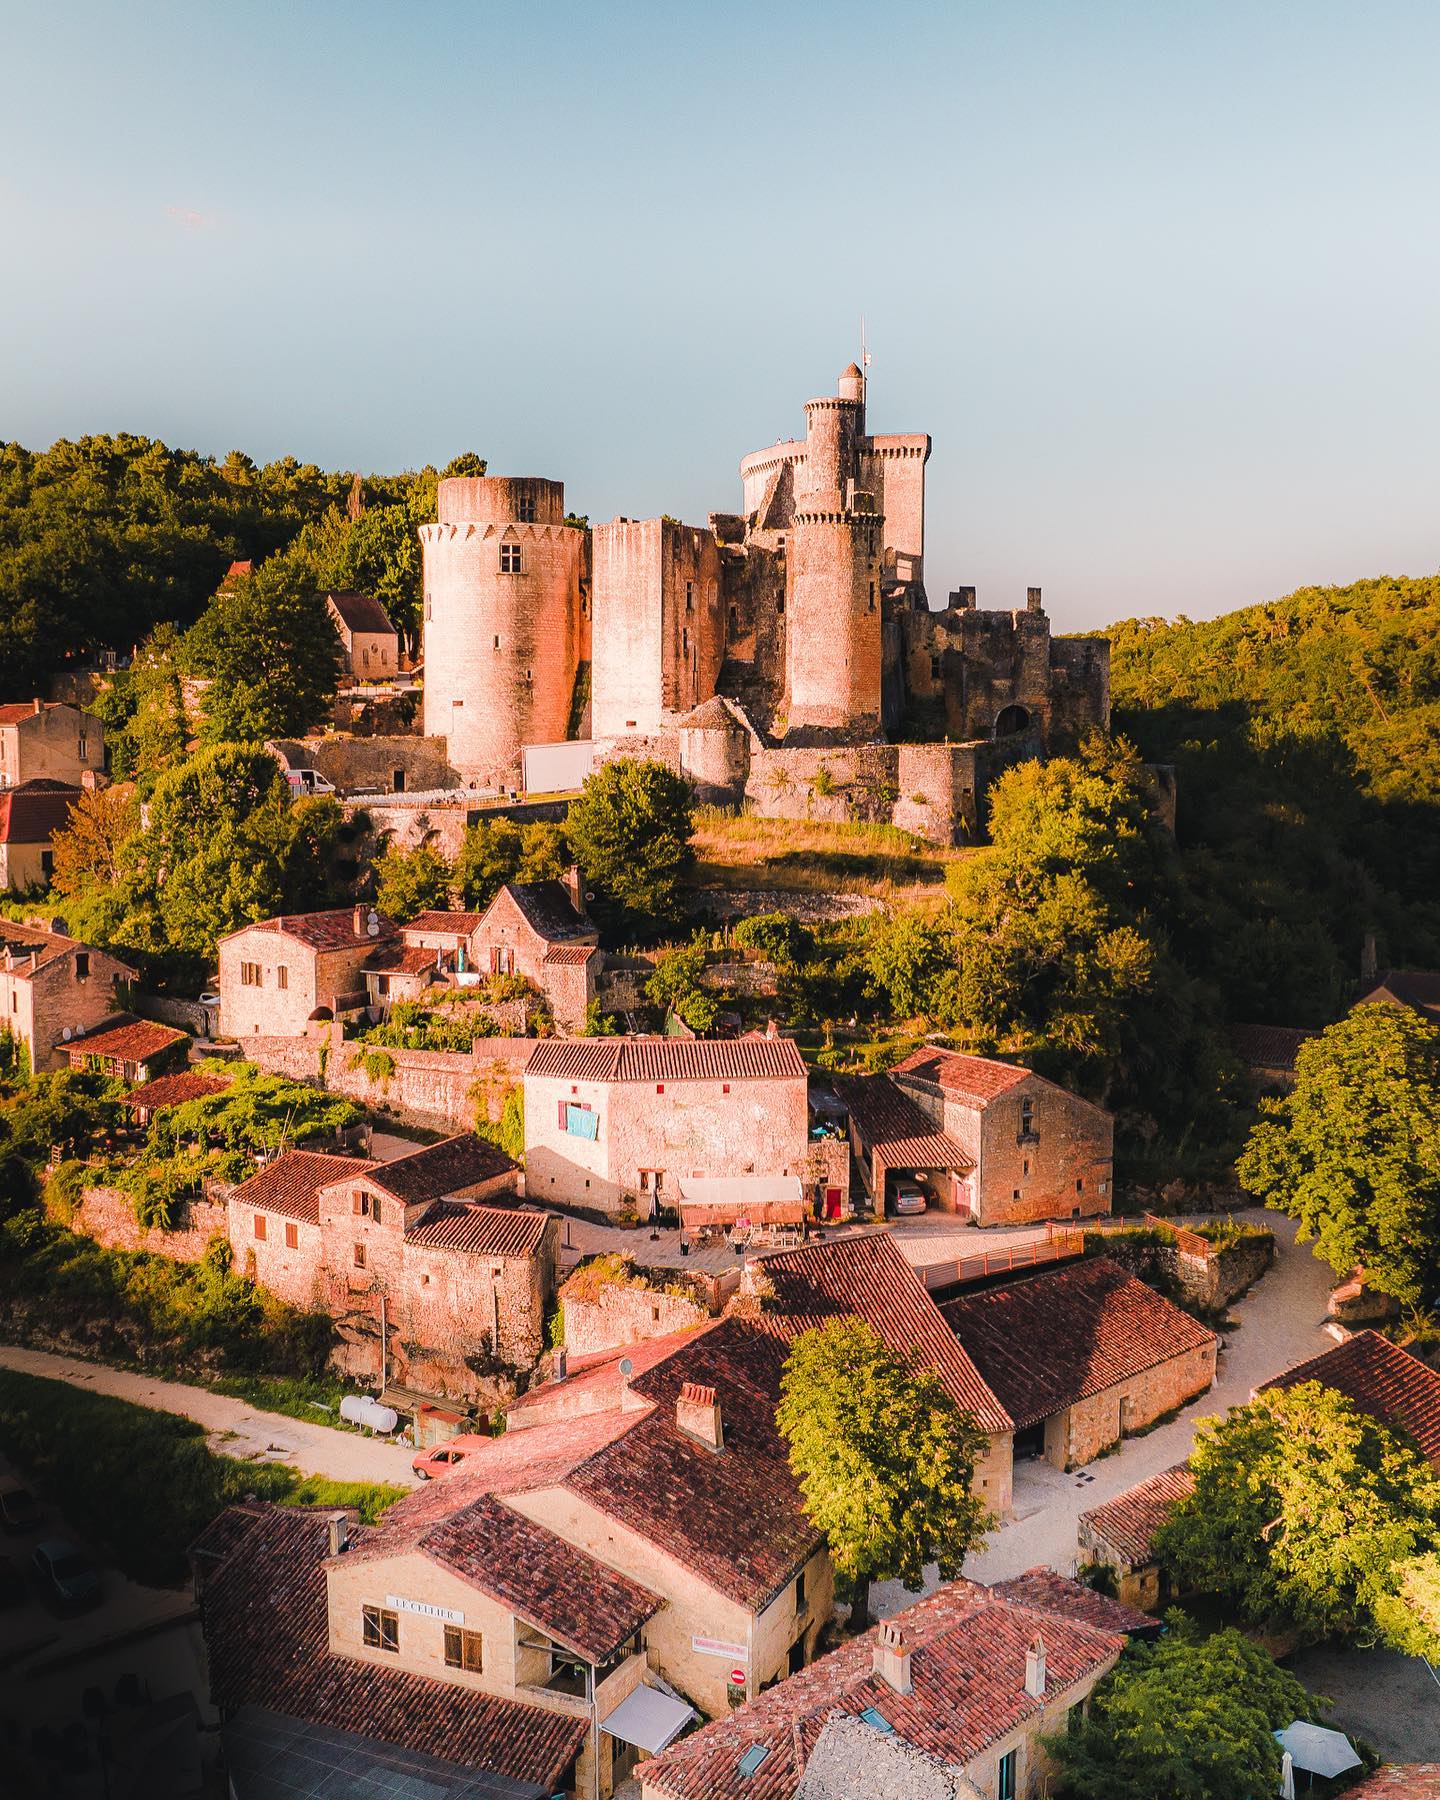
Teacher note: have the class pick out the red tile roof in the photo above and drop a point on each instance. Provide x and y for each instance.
(291, 1184)
(1383, 1380)
(1417, 988)
(976, 1079)
(1400, 1781)
(260, 1574)
(13, 711)
(1126, 1525)
(967, 1647)
(129, 1040)
(1047, 1591)
(667, 1059)
(333, 930)
(571, 1597)
(1052, 1339)
(440, 1170)
(570, 953)
(868, 1277)
(461, 923)
(174, 1090)
(479, 1230)
(27, 940)
(893, 1128)
(361, 612)
(408, 959)
(34, 811)
(1268, 1046)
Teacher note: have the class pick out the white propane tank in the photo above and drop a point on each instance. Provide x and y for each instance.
(360, 1409)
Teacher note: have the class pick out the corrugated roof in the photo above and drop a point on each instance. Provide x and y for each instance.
(667, 1059)
(1381, 1379)
(34, 811)
(973, 1078)
(895, 1130)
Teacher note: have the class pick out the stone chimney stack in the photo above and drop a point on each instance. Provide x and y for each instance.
(962, 599)
(1032, 600)
(697, 1414)
(892, 1657)
(1369, 960)
(39, 704)
(359, 921)
(1035, 1668)
(339, 1532)
(575, 888)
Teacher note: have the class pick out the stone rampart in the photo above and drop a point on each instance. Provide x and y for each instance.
(108, 1216)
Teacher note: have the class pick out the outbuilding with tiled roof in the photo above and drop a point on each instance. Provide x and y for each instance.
(540, 930)
(1383, 1380)
(893, 1139)
(1120, 1533)
(371, 643)
(53, 988)
(130, 1049)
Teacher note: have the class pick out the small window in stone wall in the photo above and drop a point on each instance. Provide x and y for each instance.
(82, 965)
(525, 509)
(380, 1628)
(359, 1256)
(509, 559)
(282, 977)
(292, 1237)
(463, 1650)
(260, 1227)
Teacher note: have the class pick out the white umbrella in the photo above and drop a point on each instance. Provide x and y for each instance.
(1318, 1749)
(1287, 1777)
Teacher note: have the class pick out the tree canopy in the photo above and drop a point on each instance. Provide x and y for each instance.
(269, 653)
(409, 882)
(630, 830)
(884, 1458)
(1353, 1152)
(494, 851)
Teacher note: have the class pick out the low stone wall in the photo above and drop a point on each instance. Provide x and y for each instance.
(1212, 1281)
(810, 909)
(107, 1216)
(626, 1315)
(200, 1021)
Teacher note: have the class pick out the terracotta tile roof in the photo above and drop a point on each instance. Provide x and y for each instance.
(291, 1184)
(479, 1230)
(868, 1277)
(894, 1129)
(1126, 1525)
(174, 1090)
(407, 959)
(1052, 1339)
(361, 612)
(1046, 1591)
(967, 1668)
(1383, 1380)
(13, 711)
(1417, 988)
(333, 930)
(27, 940)
(442, 1169)
(35, 810)
(667, 1059)
(263, 1600)
(976, 1079)
(594, 1381)
(571, 1597)
(1400, 1781)
(570, 953)
(547, 909)
(461, 923)
(1268, 1046)
(131, 1040)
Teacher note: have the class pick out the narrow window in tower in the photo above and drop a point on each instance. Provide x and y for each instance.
(689, 596)
(509, 559)
(429, 607)
(525, 509)
(529, 674)
(497, 640)
(780, 605)
(872, 596)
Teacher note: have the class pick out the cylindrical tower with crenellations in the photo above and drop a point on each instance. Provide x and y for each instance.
(502, 621)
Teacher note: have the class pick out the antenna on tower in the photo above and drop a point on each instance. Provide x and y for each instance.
(864, 362)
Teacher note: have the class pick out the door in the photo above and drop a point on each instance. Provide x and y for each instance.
(832, 1203)
(1005, 1788)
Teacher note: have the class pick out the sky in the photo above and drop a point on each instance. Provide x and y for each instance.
(1162, 281)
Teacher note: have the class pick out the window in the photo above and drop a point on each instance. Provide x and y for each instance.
(659, 1087)
(359, 1256)
(251, 975)
(935, 668)
(84, 744)
(82, 965)
(463, 1650)
(379, 1629)
(282, 977)
(800, 1592)
(292, 1235)
(872, 596)
(260, 1228)
(365, 1206)
(780, 606)
(724, 1087)
(525, 509)
(366, 655)
(1006, 1787)
(753, 1758)
(689, 596)
(509, 559)
(497, 640)
(1079, 1184)
(47, 868)
(1025, 1166)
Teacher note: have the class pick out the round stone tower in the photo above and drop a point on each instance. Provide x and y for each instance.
(502, 621)
(832, 567)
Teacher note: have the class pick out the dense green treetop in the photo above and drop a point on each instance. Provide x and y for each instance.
(1353, 1151)
(409, 882)
(630, 831)
(494, 851)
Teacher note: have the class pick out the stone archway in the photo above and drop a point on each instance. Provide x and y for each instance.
(1010, 720)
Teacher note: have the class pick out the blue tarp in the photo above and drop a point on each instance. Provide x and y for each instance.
(581, 1122)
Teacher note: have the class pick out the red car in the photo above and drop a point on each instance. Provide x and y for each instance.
(427, 1464)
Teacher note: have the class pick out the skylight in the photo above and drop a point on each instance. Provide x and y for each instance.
(753, 1758)
(873, 1716)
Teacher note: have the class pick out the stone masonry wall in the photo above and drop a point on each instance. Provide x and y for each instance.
(107, 1216)
(1078, 1435)
(626, 1315)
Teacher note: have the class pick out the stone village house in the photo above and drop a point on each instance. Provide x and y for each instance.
(279, 974)
(429, 1263)
(54, 988)
(371, 643)
(30, 816)
(51, 742)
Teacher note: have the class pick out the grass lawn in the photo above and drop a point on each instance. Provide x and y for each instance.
(806, 856)
(141, 1485)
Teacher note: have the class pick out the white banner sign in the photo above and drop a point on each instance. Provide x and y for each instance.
(425, 1610)
(719, 1647)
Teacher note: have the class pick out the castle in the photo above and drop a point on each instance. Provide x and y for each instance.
(784, 657)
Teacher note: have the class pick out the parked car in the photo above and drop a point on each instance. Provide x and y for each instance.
(909, 1198)
(210, 997)
(12, 1583)
(427, 1464)
(19, 1509)
(65, 1574)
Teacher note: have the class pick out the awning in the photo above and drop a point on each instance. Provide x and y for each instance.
(742, 1193)
(1318, 1749)
(648, 1719)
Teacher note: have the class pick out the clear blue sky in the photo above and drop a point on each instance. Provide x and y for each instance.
(1160, 280)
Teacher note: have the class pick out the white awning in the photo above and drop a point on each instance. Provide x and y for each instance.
(648, 1719)
(1318, 1749)
(740, 1190)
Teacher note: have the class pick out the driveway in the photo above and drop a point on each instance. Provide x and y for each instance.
(1391, 1701)
(1279, 1323)
(235, 1429)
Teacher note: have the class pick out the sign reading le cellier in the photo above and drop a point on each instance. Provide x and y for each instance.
(426, 1611)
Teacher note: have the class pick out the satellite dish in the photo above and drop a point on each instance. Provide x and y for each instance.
(67, 1034)
(372, 925)
(626, 1366)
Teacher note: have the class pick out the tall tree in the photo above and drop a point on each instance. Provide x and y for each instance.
(630, 831)
(884, 1458)
(1353, 1151)
(410, 882)
(269, 652)
(89, 852)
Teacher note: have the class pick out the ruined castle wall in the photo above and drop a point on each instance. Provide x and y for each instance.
(659, 620)
(1079, 689)
(753, 584)
(716, 762)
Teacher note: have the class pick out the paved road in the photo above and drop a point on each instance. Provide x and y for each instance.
(236, 1429)
(1278, 1324)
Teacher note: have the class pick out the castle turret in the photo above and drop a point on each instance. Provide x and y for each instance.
(833, 571)
(502, 621)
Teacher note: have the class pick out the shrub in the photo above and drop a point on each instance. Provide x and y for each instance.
(785, 941)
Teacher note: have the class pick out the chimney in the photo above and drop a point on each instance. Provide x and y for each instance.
(892, 1657)
(575, 888)
(1032, 599)
(339, 1532)
(39, 704)
(697, 1414)
(561, 1366)
(358, 921)
(1369, 961)
(1035, 1668)
(772, 1030)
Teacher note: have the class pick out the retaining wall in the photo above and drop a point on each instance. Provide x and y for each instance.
(107, 1216)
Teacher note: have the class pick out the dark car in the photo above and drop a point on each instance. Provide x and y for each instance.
(65, 1574)
(12, 1583)
(19, 1509)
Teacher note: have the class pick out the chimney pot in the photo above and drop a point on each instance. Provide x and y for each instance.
(892, 1657)
(697, 1414)
(359, 921)
(575, 888)
(39, 704)
(1035, 1668)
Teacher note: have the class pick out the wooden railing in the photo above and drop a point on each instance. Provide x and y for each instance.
(1059, 1242)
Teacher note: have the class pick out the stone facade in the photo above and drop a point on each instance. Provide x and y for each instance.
(360, 766)
(626, 1315)
(371, 643)
(54, 988)
(1092, 1425)
(108, 1216)
(659, 623)
(53, 742)
(275, 976)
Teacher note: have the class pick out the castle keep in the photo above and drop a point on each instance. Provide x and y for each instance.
(785, 657)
